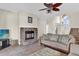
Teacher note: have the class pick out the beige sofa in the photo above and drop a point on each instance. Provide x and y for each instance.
(57, 41)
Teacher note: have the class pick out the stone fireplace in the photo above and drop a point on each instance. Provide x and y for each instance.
(28, 35)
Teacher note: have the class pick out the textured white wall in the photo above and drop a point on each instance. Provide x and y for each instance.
(13, 25)
(23, 20)
(3, 20)
(74, 19)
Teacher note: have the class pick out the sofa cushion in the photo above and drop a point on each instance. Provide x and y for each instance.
(64, 39)
(53, 37)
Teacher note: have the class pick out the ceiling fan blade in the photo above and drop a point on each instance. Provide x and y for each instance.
(47, 4)
(56, 9)
(43, 9)
(57, 5)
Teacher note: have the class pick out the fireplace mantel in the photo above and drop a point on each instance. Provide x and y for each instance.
(28, 27)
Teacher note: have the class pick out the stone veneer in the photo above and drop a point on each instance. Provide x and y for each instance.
(22, 35)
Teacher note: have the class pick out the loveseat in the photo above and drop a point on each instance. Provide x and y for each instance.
(60, 42)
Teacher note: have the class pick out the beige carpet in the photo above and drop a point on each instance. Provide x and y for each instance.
(47, 52)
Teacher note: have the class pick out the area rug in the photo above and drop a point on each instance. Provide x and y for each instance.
(47, 52)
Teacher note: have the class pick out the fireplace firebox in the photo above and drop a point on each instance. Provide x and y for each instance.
(29, 35)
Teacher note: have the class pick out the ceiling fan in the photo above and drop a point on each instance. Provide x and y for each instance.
(51, 7)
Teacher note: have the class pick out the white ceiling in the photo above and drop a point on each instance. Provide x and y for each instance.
(34, 8)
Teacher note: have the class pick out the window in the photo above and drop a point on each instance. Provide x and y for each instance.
(66, 21)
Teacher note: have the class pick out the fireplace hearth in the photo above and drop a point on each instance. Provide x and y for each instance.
(28, 35)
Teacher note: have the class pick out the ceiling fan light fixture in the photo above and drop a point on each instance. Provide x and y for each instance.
(51, 7)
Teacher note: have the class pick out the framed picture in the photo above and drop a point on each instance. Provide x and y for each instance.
(30, 19)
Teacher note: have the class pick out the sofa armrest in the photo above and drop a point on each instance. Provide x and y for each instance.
(70, 42)
(43, 37)
(72, 39)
